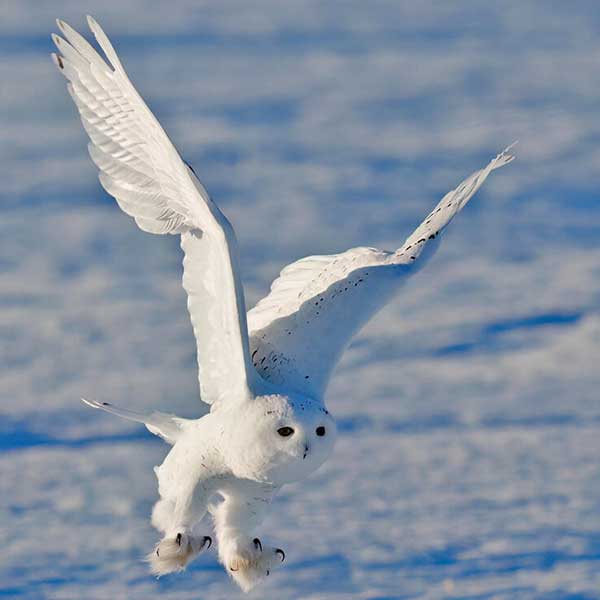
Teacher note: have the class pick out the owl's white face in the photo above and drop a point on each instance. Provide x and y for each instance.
(281, 439)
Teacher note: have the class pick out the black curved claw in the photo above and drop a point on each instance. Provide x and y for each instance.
(257, 543)
(178, 539)
(232, 569)
(207, 540)
(280, 551)
(268, 572)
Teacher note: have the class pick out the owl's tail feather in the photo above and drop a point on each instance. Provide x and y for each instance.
(168, 427)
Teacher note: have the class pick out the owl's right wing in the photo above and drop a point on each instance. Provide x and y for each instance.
(141, 168)
(300, 330)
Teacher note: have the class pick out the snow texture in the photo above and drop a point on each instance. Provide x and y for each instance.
(467, 458)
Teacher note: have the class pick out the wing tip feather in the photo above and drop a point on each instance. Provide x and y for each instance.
(56, 39)
(105, 43)
(66, 29)
(505, 157)
(91, 403)
(57, 60)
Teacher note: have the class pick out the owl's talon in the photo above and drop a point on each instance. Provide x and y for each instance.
(257, 544)
(280, 551)
(207, 540)
(178, 539)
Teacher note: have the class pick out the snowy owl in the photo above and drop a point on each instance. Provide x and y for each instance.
(263, 374)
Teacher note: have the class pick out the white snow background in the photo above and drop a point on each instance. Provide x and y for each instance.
(467, 463)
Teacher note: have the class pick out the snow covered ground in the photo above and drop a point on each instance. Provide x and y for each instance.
(467, 465)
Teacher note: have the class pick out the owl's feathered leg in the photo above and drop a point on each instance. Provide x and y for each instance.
(243, 554)
(173, 554)
(177, 516)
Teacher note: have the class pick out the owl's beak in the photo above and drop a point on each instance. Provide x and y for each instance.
(305, 451)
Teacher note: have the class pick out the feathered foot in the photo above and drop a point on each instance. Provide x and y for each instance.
(249, 563)
(174, 553)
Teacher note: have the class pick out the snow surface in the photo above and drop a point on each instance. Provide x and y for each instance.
(467, 464)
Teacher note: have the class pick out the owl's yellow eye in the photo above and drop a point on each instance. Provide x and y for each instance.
(285, 431)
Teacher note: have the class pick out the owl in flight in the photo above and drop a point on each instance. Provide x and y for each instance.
(263, 374)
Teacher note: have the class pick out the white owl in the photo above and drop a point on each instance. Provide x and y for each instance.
(264, 374)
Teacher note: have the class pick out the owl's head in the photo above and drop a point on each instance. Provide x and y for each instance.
(282, 438)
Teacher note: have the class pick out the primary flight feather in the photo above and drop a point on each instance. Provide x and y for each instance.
(264, 374)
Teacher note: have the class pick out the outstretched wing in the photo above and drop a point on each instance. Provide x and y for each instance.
(299, 331)
(141, 168)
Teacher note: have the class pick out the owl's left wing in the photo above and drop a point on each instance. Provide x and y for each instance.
(300, 330)
(141, 168)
